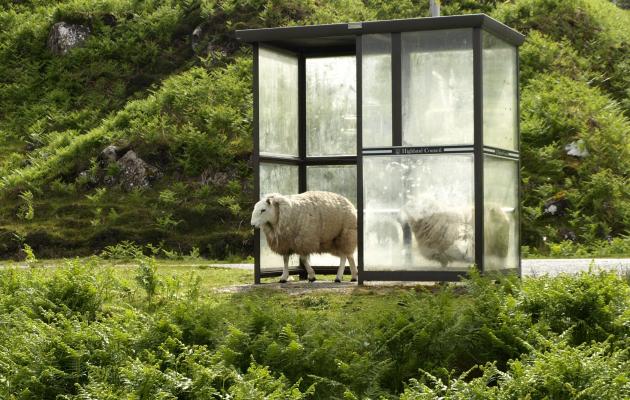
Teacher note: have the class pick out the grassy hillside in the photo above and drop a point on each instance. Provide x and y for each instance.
(141, 83)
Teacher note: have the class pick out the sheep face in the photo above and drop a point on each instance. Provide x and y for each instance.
(264, 212)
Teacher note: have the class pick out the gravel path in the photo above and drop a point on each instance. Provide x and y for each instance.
(537, 267)
(530, 267)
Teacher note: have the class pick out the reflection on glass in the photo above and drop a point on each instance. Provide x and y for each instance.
(501, 239)
(499, 93)
(437, 87)
(377, 90)
(283, 179)
(331, 106)
(278, 102)
(418, 212)
(341, 179)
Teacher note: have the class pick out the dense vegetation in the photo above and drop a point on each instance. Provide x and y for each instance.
(184, 106)
(90, 331)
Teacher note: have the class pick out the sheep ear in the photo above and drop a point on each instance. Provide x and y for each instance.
(277, 200)
(268, 201)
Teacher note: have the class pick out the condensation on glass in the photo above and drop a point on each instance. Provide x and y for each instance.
(283, 179)
(331, 115)
(418, 212)
(341, 179)
(501, 236)
(376, 70)
(500, 93)
(278, 102)
(437, 87)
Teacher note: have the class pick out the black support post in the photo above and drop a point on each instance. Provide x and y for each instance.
(518, 148)
(478, 146)
(396, 90)
(256, 162)
(302, 185)
(359, 127)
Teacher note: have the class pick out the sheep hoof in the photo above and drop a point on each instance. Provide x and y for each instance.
(312, 280)
(353, 280)
(283, 281)
(337, 280)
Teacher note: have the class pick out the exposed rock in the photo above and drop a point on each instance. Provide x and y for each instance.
(196, 37)
(111, 154)
(134, 172)
(556, 207)
(63, 37)
(201, 43)
(87, 177)
(567, 234)
(109, 180)
(108, 155)
(217, 178)
(109, 19)
(216, 53)
(199, 38)
(576, 149)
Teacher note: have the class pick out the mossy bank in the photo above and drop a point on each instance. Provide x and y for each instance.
(167, 81)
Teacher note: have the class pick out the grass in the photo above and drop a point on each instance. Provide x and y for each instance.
(211, 276)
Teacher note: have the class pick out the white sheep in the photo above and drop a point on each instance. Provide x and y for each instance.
(446, 235)
(308, 223)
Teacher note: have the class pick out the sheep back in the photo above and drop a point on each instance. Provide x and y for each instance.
(436, 233)
(312, 222)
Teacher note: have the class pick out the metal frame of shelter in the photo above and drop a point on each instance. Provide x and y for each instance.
(345, 39)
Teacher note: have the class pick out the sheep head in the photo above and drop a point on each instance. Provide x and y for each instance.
(266, 211)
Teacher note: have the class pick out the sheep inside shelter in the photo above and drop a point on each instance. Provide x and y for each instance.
(447, 235)
(308, 223)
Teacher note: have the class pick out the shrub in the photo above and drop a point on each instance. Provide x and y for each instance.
(585, 307)
(563, 372)
(146, 276)
(124, 250)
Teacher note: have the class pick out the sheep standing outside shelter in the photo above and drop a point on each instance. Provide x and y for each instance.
(308, 223)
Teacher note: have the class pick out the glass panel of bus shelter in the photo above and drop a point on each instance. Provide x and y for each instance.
(331, 99)
(500, 92)
(277, 102)
(418, 212)
(501, 219)
(283, 179)
(341, 179)
(437, 87)
(376, 70)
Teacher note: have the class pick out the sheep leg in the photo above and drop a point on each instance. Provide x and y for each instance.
(353, 269)
(309, 269)
(342, 266)
(285, 270)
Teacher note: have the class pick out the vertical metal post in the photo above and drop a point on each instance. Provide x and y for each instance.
(396, 90)
(478, 147)
(359, 127)
(434, 6)
(256, 160)
(518, 148)
(302, 184)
